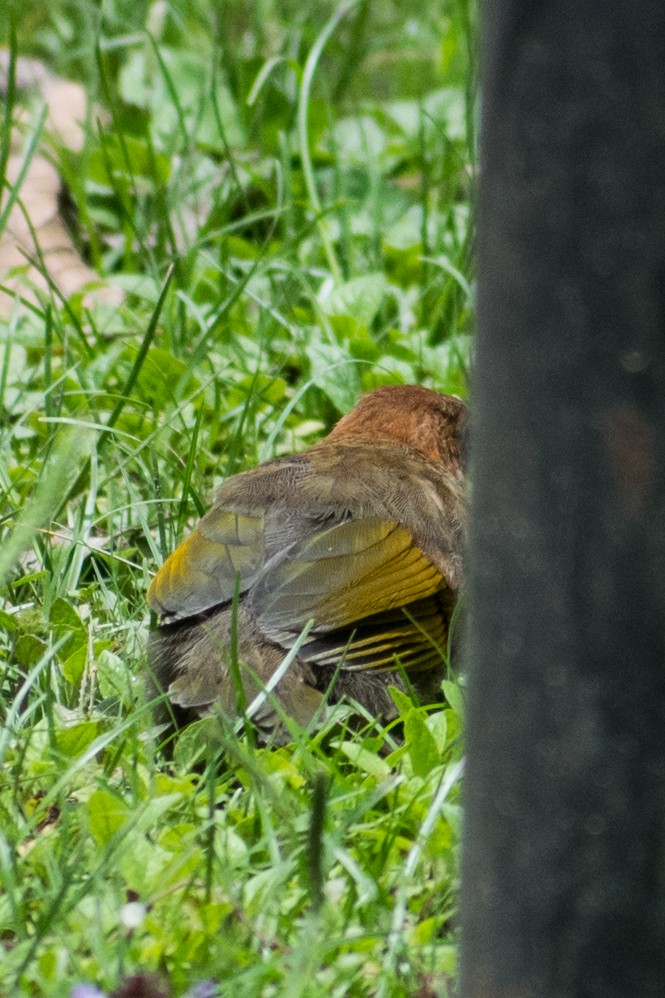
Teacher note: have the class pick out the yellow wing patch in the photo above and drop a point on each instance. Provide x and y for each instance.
(416, 636)
(201, 573)
(342, 575)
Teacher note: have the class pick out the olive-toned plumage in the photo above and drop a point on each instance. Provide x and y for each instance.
(362, 534)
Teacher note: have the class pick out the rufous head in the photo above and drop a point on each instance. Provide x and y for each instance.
(428, 422)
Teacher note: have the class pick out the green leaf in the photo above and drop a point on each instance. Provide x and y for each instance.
(73, 666)
(402, 700)
(334, 374)
(148, 867)
(179, 91)
(360, 298)
(454, 697)
(194, 743)
(358, 139)
(422, 747)
(7, 622)
(73, 741)
(438, 726)
(64, 617)
(130, 158)
(112, 675)
(107, 813)
(159, 376)
(363, 759)
(29, 649)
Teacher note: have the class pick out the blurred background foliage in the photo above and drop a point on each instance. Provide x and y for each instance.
(283, 194)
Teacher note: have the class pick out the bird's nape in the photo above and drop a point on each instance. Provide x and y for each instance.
(433, 424)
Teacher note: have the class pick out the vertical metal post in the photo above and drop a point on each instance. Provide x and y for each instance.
(564, 868)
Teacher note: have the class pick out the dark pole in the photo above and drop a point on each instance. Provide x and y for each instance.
(564, 868)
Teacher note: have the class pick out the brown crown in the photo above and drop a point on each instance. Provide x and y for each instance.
(428, 422)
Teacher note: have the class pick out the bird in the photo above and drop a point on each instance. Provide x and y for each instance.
(345, 558)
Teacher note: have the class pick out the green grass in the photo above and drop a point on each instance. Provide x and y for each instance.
(284, 195)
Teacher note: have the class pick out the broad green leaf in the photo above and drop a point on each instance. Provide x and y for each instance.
(73, 666)
(360, 298)
(422, 747)
(113, 676)
(151, 83)
(74, 740)
(363, 759)
(334, 374)
(130, 158)
(359, 139)
(107, 813)
(454, 697)
(402, 700)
